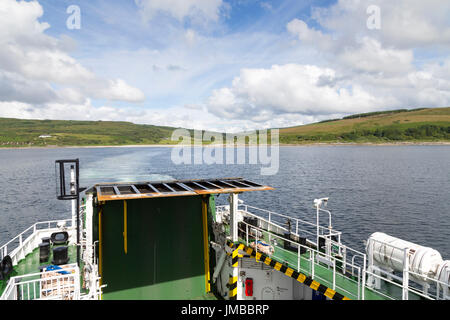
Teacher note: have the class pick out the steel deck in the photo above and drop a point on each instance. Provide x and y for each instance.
(30, 264)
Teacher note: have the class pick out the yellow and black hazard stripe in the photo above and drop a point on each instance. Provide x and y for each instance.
(235, 255)
(232, 286)
(232, 282)
(300, 277)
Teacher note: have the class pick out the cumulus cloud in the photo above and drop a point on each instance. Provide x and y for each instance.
(362, 70)
(32, 63)
(260, 94)
(310, 36)
(404, 23)
(181, 9)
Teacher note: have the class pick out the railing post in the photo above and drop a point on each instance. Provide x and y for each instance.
(334, 274)
(363, 278)
(359, 283)
(246, 232)
(405, 275)
(256, 240)
(312, 265)
(234, 200)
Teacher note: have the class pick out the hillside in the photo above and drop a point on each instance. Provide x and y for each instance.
(23, 133)
(419, 125)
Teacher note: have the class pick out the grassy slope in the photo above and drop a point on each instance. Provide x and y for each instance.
(360, 129)
(70, 133)
(22, 133)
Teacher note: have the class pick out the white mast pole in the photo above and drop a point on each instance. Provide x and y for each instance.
(73, 191)
(233, 216)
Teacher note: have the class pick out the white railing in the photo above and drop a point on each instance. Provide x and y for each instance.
(348, 254)
(61, 284)
(345, 255)
(311, 256)
(24, 243)
(299, 223)
(428, 288)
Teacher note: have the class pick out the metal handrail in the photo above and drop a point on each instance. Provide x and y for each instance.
(313, 253)
(332, 242)
(362, 273)
(322, 228)
(17, 281)
(19, 237)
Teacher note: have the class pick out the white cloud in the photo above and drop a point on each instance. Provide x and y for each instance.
(404, 23)
(260, 94)
(370, 56)
(181, 9)
(229, 81)
(310, 36)
(32, 61)
(362, 70)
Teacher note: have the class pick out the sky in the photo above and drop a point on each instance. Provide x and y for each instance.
(224, 65)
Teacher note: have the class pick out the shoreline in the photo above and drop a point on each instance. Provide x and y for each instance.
(316, 144)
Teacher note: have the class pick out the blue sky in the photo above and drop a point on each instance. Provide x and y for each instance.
(222, 65)
(112, 27)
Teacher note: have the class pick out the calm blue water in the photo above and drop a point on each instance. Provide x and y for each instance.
(403, 191)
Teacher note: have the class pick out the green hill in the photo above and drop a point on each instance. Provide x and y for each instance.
(418, 125)
(21, 133)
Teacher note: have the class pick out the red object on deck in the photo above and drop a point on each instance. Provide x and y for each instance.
(249, 287)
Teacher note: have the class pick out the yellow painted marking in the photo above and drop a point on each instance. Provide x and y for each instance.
(278, 266)
(205, 245)
(314, 285)
(267, 261)
(233, 292)
(125, 236)
(330, 293)
(258, 256)
(249, 250)
(289, 272)
(345, 298)
(301, 278)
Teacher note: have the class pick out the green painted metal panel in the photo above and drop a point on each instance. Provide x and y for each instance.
(165, 254)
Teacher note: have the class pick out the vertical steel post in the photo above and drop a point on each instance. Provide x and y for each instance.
(89, 237)
(234, 235)
(77, 186)
(73, 192)
(233, 216)
(363, 279)
(317, 222)
(405, 275)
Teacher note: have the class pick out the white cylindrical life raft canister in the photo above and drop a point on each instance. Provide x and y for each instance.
(443, 275)
(389, 252)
